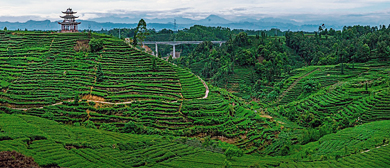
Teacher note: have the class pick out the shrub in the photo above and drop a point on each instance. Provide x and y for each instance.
(154, 65)
(99, 74)
(76, 100)
(10, 52)
(310, 86)
(108, 127)
(96, 44)
(131, 127)
(48, 115)
(233, 151)
(89, 124)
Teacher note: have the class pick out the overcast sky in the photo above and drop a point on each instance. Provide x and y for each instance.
(298, 10)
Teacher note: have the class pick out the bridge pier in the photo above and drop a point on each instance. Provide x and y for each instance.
(156, 50)
(174, 51)
(174, 43)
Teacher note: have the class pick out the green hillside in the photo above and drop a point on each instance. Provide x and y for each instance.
(116, 106)
(165, 100)
(54, 144)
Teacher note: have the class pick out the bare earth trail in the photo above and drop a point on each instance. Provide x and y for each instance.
(129, 102)
(60, 103)
(295, 83)
(111, 103)
(207, 88)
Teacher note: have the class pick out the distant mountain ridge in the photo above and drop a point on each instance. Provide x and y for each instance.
(167, 23)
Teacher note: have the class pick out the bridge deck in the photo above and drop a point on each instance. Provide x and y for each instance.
(180, 42)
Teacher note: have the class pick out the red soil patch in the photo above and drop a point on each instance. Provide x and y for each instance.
(93, 98)
(260, 59)
(88, 113)
(81, 45)
(266, 116)
(221, 138)
(224, 139)
(243, 136)
(15, 159)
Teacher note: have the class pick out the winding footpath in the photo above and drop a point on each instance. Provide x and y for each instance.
(60, 103)
(207, 88)
(103, 102)
(111, 103)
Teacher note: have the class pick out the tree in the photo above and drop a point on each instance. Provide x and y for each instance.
(131, 127)
(76, 99)
(383, 50)
(5, 29)
(135, 42)
(366, 86)
(89, 124)
(140, 32)
(241, 39)
(48, 115)
(366, 52)
(233, 151)
(10, 52)
(154, 64)
(99, 74)
(108, 127)
(310, 86)
(96, 44)
(245, 57)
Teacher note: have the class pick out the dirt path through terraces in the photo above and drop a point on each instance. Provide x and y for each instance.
(207, 88)
(60, 103)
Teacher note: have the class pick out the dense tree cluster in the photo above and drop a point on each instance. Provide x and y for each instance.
(271, 57)
(352, 44)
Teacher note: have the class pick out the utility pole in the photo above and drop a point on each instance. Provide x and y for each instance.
(119, 33)
(174, 25)
(174, 39)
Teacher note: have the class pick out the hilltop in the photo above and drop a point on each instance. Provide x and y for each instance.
(45, 76)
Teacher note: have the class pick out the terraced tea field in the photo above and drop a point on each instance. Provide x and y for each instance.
(341, 96)
(54, 144)
(165, 99)
(121, 107)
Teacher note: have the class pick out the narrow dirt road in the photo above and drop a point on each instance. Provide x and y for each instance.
(207, 88)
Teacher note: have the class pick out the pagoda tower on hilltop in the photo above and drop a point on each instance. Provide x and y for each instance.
(69, 24)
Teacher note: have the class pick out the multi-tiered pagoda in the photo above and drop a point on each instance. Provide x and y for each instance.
(69, 24)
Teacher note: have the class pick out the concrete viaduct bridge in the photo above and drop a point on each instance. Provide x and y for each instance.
(174, 43)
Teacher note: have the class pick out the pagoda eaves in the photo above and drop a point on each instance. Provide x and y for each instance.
(69, 17)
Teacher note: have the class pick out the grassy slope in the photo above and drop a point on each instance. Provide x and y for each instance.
(342, 96)
(51, 143)
(44, 71)
(162, 101)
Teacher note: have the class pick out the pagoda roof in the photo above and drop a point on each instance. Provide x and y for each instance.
(69, 11)
(69, 16)
(69, 23)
